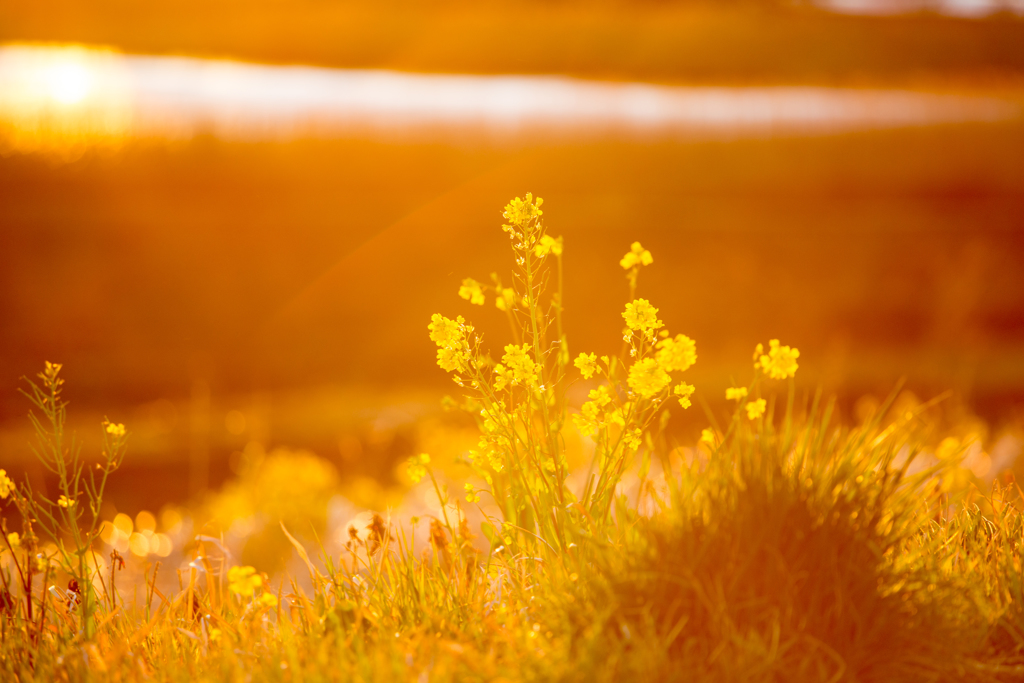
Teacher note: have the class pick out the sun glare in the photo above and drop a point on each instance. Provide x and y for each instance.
(69, 81)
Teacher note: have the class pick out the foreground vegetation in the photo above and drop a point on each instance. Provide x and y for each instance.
(781, 546)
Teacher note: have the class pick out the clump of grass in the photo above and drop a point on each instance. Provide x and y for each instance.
(779, 548)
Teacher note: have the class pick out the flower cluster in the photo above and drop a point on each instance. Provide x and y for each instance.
(450, 337)
(586, 364)
(677, 354)
(416, 467)
(521, 369)
(65, 502)
(779, 362)
(641, 316)
(6, 485)
(472, 291)
(735, 393)
(636, 256)
(243, 581)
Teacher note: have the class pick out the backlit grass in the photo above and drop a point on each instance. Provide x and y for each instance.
(585, 544)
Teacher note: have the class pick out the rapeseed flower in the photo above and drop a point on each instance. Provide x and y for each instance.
(735, 393)
(114, 429)
(268, 600)
(472, 291)
(450, 337)
(502, 377)
(708, 436)
(14, 539)
(505, 299)
(517, 359)
(780, 361)
(642, 316)
(243, 581)
(677, 354)
(548, 245)
(636, 256)
(647, 378)
(519, 212)
(65, 502)
(755, 409)
(6, 485)
(416, 467)
(684, 391)
(587, 364)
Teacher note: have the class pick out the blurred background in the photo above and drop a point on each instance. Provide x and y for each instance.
(232, 221)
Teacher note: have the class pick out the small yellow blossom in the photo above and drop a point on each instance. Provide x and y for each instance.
(758, 350)
(14, 539)
(678, 354)
(215, 634)
(636, 256)
(6, 485)
(684, 391)
(755, 409)
(601, 396)
(642, 316)
(708, 436)
(780, 362)
(633, 439)
(268, 600)
(587, 364)
(502, 377)
(472, 291)
(471, 493)
(115, 429)
(519, 212)
(449, 335)
(647, 378)
(416, 467)
(505, 299)
(548, 245)
(243, 581)
(65, 502)
(517, 359)
(735, 393)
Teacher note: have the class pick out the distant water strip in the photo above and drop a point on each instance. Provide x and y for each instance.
(86, 94)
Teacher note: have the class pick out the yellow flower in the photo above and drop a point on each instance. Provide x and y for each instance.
(505, 299)
(633, 439)
(758, 350)
(780, 362)
(684, 391)
(600, 396)
(517, 359)
(14, 539)
(755, 409)
(548, 245)
(450, 337)
(501, 377)
(519, 212)
(6, 485)
(243, 581)
(587, 364)
(708, 436)
(677, 354)
(472, 292)
(735, 393)
(215, 634)
(641, 315)
(647, 378)
(416, 467)
(65, 502)
(471, 494)
(268, 600)
(444, 331)
(115, 429)
(636, 256)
